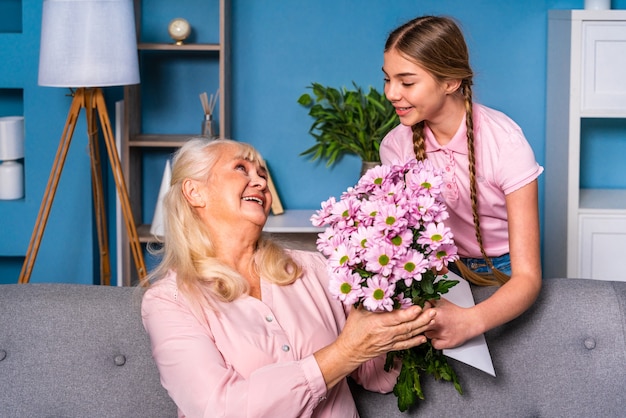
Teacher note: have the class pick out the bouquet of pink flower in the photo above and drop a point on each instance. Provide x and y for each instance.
(385, 242)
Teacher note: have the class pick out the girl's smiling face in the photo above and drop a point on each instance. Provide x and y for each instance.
(415, 93)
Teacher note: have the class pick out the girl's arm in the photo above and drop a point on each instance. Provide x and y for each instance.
(454, 325)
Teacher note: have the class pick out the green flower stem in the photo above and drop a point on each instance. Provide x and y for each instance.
(423, 359)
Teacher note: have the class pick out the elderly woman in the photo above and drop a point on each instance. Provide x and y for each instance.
(242, 327)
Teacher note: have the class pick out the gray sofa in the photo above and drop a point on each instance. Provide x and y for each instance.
(81, 351)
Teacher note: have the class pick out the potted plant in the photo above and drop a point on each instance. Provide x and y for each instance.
(347, 122)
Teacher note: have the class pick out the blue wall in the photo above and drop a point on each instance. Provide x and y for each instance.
(278, 48)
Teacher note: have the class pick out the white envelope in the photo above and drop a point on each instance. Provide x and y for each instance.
(475, 351)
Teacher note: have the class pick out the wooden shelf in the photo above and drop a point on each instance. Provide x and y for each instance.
(159, 140)
(174, 47)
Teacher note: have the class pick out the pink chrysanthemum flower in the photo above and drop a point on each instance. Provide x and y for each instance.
(399, 169)
(443, 255)
(375, 178)
(402, 241)
(343, 256)
(346, 286)
(327, 241)
(362, 239)
(435, 235)
(378, 294)
(344, 213)
(390, 219)
(425, 208)
(411, 266)
(380, 258)
(425, 180)
(366, 214)
(390, 193)
(404, 302)
(320, 218)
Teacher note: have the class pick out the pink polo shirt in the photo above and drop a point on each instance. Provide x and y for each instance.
(504, 163)
(254, 358)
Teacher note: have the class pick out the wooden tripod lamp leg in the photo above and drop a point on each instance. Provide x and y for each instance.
(51, 187)
(98, 190)
(122, 191)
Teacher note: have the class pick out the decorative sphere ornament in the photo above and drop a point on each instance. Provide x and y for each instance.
(179, 30)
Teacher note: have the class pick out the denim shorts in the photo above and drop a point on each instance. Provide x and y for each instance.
(479, 265)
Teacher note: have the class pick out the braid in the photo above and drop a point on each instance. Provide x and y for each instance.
(419, 147)
(498, 276)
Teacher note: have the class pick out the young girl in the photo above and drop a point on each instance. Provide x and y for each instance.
(489, 168)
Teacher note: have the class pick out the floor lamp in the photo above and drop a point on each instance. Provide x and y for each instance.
(86, 45)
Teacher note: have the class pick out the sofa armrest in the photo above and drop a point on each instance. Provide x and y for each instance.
(76, 351)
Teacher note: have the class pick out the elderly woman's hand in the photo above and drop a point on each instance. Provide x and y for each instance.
(369, 334)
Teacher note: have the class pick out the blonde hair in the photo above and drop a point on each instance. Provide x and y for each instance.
(188, 248)
(437, 44)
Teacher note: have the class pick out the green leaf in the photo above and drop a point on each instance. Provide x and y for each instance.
(305, 100)
(407, 388)
(443, 286)
(427, 287)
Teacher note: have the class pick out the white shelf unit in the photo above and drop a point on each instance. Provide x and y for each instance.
(584, 229)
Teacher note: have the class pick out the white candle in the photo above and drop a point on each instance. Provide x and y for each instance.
(11, 180)
(11, 138)
(597, 4)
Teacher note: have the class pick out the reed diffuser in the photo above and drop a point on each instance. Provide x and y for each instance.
(208, 105)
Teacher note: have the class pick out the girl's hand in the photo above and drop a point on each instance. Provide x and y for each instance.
(453, 326)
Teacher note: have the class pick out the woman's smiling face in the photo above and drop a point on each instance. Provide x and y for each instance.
(237, 189)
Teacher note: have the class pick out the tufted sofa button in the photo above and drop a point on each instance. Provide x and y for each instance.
(3, 355)
(590, 343)
(120, 360)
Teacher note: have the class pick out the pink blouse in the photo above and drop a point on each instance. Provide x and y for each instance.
(251, 357)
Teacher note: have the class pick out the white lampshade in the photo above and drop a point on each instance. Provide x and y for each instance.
(88, 43)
